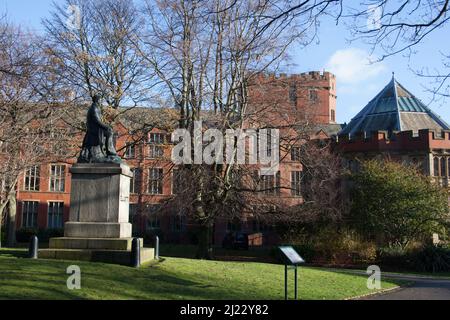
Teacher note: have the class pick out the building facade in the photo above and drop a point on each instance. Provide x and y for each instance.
(43, 196)
(396, 125)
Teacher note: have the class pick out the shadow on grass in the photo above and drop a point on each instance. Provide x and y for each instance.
(21, 278)
(256, 254)
(35, 290)
(12, 252)
(362, 274)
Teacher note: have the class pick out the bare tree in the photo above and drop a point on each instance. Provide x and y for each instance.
(29, 134)
(395, 27)
(90, 42)
(401, 27)
(322, 190)
(398, 26)
(207, 55)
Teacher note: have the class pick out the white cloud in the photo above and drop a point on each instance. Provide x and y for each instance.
(353, 66)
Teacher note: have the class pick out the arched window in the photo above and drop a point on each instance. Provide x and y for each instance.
(436, 166)
(443, 164)
(333, 115)
(448, 167)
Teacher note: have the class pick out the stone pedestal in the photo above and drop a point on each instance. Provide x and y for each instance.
(98, 228)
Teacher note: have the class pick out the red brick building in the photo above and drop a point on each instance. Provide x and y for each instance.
(44, 191)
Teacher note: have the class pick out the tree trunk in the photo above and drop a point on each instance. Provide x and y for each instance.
(12, 208)
(2, 208)
(1, 214)
(204, 249)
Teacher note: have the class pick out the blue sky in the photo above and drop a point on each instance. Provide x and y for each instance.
(358, 81)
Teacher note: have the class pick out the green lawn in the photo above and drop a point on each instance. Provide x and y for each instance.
(263, 254)
(174, 278)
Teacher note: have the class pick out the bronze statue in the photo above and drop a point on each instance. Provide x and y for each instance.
(98, 143)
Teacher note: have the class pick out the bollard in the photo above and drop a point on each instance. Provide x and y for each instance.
(33, 250)
(157, 248)
(136, 253)
(285, 282)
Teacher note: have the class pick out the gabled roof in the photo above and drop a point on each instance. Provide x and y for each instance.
(394, 109)
(329, 129)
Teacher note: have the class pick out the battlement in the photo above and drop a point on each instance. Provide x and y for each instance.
(403, 140)
(396, 135)
(305, 76)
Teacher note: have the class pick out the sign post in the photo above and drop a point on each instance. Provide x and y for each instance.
(292, 259)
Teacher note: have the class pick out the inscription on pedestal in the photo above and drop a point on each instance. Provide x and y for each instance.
(99, 201)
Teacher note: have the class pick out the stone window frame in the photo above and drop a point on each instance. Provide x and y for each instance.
(270, 185)
(60, 213)
(130, 151)
(268, 143)
(57, 177)
(156, 138)
(25, 223)
(436, 166)
(31, 180)
(155, 151)
(295, 153)
(296, 183)
(155, 181)
(136, 181)
(443, 166)
(448, 166)
(155, 143)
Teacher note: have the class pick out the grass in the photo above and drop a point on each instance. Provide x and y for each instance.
(440, 275)
(265, 254)
(262, 254)
(443, 275)
(174, 278)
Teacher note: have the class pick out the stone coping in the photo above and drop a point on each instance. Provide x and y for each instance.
(101, 168)
(93, 243)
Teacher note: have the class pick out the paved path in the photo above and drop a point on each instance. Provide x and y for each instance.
(423, 288)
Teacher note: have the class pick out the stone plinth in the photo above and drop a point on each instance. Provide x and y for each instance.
(99, 201)
(92, 243)
(108, 256)
(98, 228)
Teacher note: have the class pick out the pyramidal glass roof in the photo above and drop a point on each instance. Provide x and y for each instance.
(394, 109)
